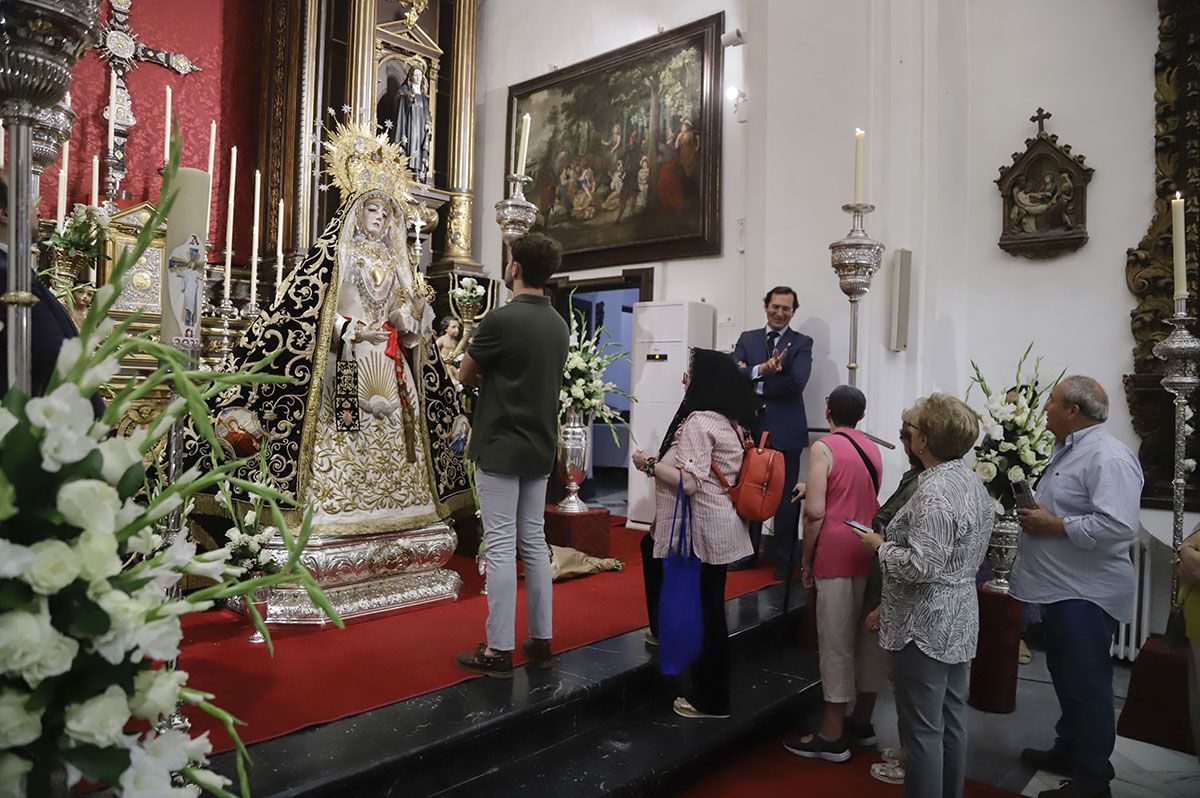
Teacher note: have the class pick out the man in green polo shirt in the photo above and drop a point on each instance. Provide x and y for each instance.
(516, 358)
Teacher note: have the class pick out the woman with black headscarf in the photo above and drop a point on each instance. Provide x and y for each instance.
(707, 431)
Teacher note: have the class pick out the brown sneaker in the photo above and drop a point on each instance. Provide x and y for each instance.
(498, 666)
(539, 653)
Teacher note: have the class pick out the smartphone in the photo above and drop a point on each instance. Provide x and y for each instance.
(1024, 495)
(858, 527)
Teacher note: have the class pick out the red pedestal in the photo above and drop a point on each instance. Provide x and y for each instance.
(994, 670)
(588, 532)
(1156, 710)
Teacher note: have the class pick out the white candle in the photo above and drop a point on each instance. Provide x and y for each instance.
(859, 136)
(229, 222)
(279, 249)
(3, 145)
(1178, 232)
(167, 130)
(95, 180)
(254, 239)
(524, 144)
(61, 216)
(212, 153)
(112, 114)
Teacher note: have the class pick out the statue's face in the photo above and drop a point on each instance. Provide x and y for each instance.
(453, 330)
(375, 218)
(416, 77)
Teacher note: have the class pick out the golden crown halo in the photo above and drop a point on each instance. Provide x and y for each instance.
(359, 159)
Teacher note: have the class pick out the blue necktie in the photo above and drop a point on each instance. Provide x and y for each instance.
(772, 339)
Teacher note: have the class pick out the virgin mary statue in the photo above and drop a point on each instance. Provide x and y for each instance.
(360, 435)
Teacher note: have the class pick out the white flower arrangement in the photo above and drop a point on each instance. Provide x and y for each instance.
(82, 637)
(468, 291)
(584, 386)
(1016, 444)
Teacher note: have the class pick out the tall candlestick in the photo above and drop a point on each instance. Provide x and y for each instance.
(859, 136)
(254, 239)
(112, 114)
(1178, 232)
(95, 180)
(167, 129)
(279, 249)
(229, 222)
(524, 144)
(61, 215)
(212, 153)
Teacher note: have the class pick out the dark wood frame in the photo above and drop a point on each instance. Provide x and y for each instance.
(708, 241)
(559, 289)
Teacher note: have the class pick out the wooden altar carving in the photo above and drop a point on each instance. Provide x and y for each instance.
(1148, 265)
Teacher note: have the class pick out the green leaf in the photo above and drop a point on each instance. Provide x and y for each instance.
(87, 619)
(99, 764)
(41, 697)
(14, 594)
(8, 498)
(131, 481)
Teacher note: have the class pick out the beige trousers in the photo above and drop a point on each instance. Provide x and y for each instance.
(1194, 692)
(851, 660)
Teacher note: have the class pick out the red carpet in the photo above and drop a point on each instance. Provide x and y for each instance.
(767, 769)
(320, 675)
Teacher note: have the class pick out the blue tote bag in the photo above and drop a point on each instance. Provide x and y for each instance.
(680, 624)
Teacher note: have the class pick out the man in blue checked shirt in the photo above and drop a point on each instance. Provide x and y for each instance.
(1074, 560)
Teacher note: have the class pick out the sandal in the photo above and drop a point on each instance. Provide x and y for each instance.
(1024, 655)
(888, 772)
(896, 755)
(684, 709)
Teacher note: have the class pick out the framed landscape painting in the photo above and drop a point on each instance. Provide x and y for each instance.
(625, 149)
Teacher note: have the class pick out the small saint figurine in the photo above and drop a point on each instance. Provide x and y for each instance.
(412, 122)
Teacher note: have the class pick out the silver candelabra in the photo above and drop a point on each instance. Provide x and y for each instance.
(515, 215)
(42, 41)
(856, 258)
(1181, 351)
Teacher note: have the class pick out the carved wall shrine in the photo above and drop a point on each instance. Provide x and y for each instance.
(1148, 266)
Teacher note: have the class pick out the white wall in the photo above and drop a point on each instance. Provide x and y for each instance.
(522, 39)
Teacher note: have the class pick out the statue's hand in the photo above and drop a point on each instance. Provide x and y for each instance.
(372, 336)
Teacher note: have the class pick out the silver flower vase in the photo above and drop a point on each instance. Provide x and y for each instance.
(1002, 551)
(574, 450)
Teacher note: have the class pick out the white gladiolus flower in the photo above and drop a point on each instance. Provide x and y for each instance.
(63, 407)
(165, 507)
(1028, 457)
(209, 780)
(7, 422)
(149, 777)
(211, 563)
(68, 355)
(985, 470)
(99, 720)
(155, 693)
(164, 421)
(1005, 446)
(104, 295)
(12, 775)
(97, 554)
(22, 636)
(158, 639)
(119, 454)
(62, 446)
(14, 559)
(18, 726)
(55, 658)
(175, 750)
(54, 567)
(1016, 474)
(89, 504)
(99, 374)
(99, 430)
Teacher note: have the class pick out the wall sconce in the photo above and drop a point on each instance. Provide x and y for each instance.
(733, 38)
(738, 97)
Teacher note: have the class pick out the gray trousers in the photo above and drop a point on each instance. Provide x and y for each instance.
(514, 511)
(931, 705)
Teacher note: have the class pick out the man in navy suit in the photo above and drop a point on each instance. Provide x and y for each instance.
(50, 322)
(778, 360)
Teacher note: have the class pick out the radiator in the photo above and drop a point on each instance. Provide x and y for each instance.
(1130, 636)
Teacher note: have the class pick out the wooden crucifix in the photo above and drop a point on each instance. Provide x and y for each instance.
(119, 46)
(1040, 118)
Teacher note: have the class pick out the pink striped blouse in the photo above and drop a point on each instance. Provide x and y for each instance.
(718, 535)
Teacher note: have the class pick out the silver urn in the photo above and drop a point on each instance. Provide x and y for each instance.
(574, 452)
(1002, 551)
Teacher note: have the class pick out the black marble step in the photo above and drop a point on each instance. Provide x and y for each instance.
(442, 740)
(644, 752)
